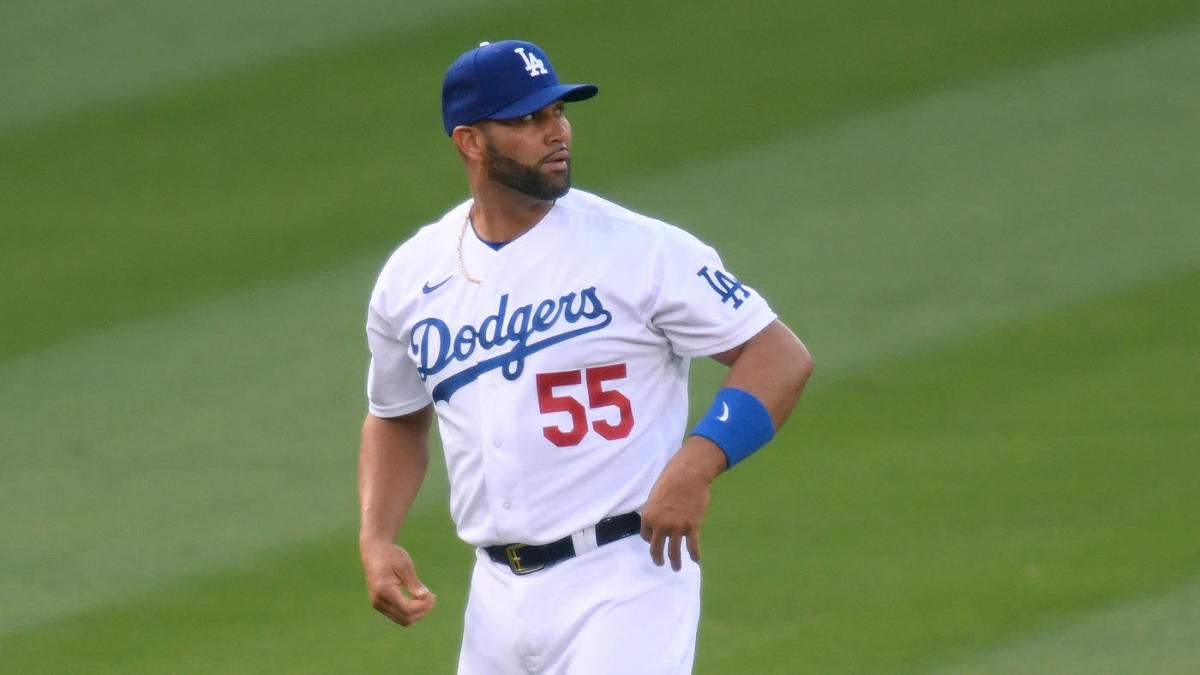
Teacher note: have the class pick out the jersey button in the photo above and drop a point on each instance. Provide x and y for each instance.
(496, 442)
(507, 505)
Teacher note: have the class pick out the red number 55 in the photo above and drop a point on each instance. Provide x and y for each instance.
(597, 397)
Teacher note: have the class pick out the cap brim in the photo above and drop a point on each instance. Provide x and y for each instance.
(544, 97)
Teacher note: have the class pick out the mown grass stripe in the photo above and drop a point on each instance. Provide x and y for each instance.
(64, 57)
(977, 204)
(1154, 634)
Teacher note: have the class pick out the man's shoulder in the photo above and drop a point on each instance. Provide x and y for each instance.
(611, 216)
(612, 220)
(588, 204)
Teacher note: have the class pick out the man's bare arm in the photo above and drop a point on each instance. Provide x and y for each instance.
(391, 467)
(773, 367)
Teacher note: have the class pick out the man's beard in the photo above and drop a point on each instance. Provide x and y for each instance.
(526, 179)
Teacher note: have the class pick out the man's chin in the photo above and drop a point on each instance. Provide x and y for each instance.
(562, 184)
(549, 190)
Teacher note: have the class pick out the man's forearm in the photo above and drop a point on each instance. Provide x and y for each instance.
(391, 466)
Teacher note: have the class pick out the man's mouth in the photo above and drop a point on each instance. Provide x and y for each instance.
(558, 161)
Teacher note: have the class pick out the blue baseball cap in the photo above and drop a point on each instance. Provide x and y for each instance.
(503, 81)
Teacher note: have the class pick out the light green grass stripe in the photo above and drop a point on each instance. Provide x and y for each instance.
(171, 447)
(976, 205)
(1149, 635)
(167, 448)
(57, 57)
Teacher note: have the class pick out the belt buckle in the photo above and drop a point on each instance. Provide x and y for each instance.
(514, 560)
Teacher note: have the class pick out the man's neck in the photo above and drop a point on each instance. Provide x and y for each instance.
(501, 218)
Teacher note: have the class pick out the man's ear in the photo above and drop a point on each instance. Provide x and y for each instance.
(470, 141)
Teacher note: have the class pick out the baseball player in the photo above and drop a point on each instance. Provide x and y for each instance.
(550, 332)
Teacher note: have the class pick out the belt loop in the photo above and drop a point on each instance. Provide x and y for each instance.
(525, 559)
(584, 540)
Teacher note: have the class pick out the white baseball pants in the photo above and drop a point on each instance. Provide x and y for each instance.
(608, 611)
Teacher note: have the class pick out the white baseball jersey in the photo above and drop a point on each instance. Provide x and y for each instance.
(559, 380)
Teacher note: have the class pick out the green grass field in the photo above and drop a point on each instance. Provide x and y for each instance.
(981, 218)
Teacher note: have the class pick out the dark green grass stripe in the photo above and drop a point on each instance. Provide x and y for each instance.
(146, 206)
(303, 612)
(940, 503)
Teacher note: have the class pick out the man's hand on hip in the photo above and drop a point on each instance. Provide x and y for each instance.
(678, 501)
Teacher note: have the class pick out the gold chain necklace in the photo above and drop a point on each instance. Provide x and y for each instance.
(462, 266)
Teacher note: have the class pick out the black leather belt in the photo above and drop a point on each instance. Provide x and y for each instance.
(524, 559)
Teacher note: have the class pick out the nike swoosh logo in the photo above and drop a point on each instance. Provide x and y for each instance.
(724, 416)
(427, 289)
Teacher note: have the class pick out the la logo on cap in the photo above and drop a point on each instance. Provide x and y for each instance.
(489, 82)
(533, 65)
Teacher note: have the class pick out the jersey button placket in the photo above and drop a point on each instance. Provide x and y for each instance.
(502, 474)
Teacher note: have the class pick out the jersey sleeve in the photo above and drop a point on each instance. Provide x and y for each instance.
(393, 386)
(701, 307)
